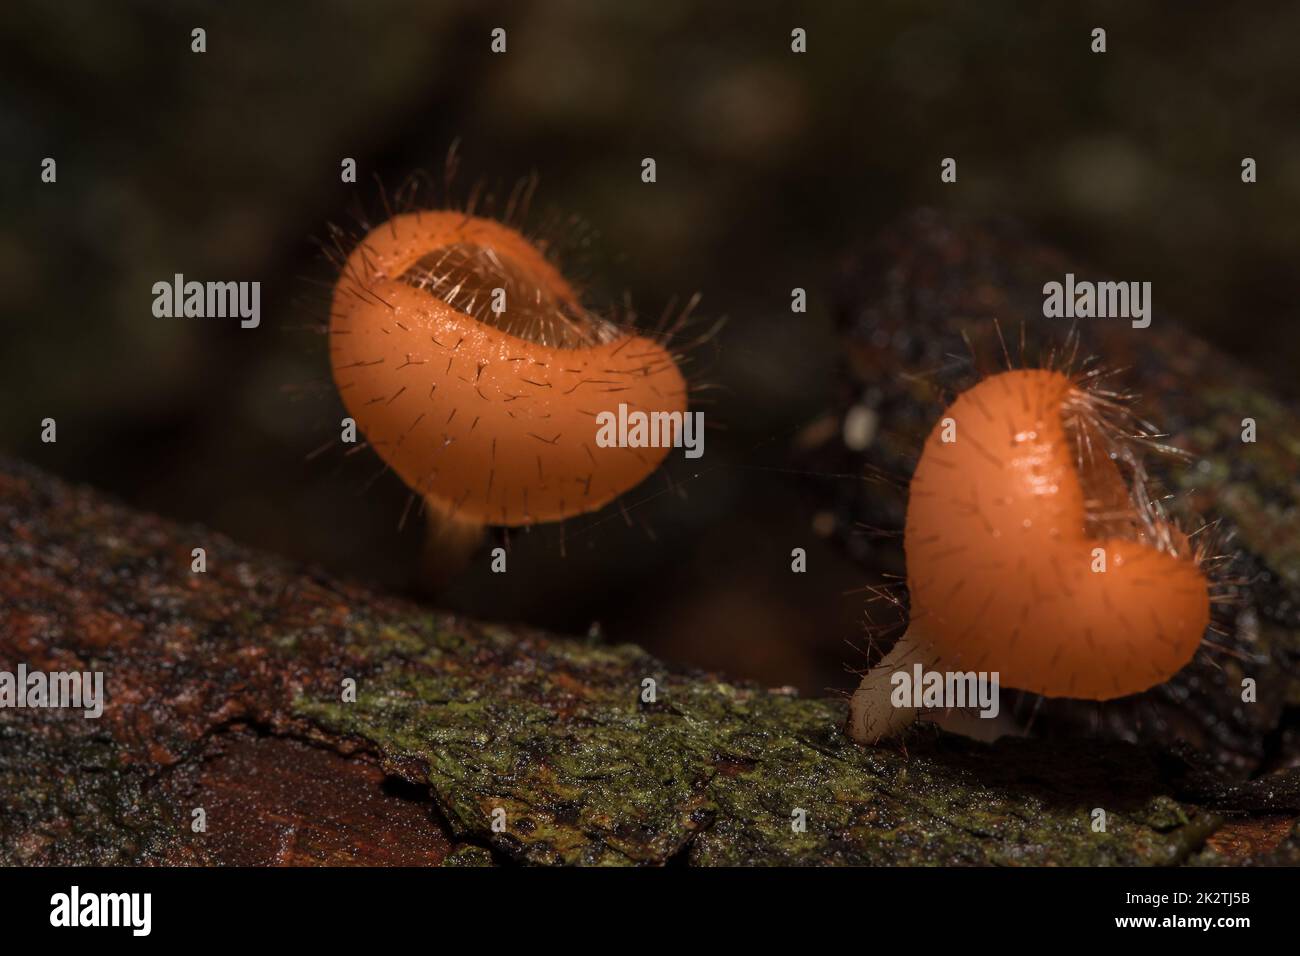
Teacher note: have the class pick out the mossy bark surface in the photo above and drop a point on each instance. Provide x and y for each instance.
(225, 691)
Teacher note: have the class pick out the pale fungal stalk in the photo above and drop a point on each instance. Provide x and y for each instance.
(872, 714)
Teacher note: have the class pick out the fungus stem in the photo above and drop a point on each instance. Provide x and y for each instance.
(450, 542)
(872, 715)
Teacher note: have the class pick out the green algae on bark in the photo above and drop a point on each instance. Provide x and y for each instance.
(716, 774)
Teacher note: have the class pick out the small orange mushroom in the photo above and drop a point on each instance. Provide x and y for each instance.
(1029, 554)
(473, 370)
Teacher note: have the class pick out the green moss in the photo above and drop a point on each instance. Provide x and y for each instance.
(587, 774)
(469, 856)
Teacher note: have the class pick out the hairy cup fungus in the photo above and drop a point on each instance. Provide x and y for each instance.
(1033, 550)
(470, 365)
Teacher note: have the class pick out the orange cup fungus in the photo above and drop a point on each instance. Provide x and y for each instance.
(1033, 551)
(470, 365)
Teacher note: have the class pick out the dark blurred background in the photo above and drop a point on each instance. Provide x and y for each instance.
(772, 168)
